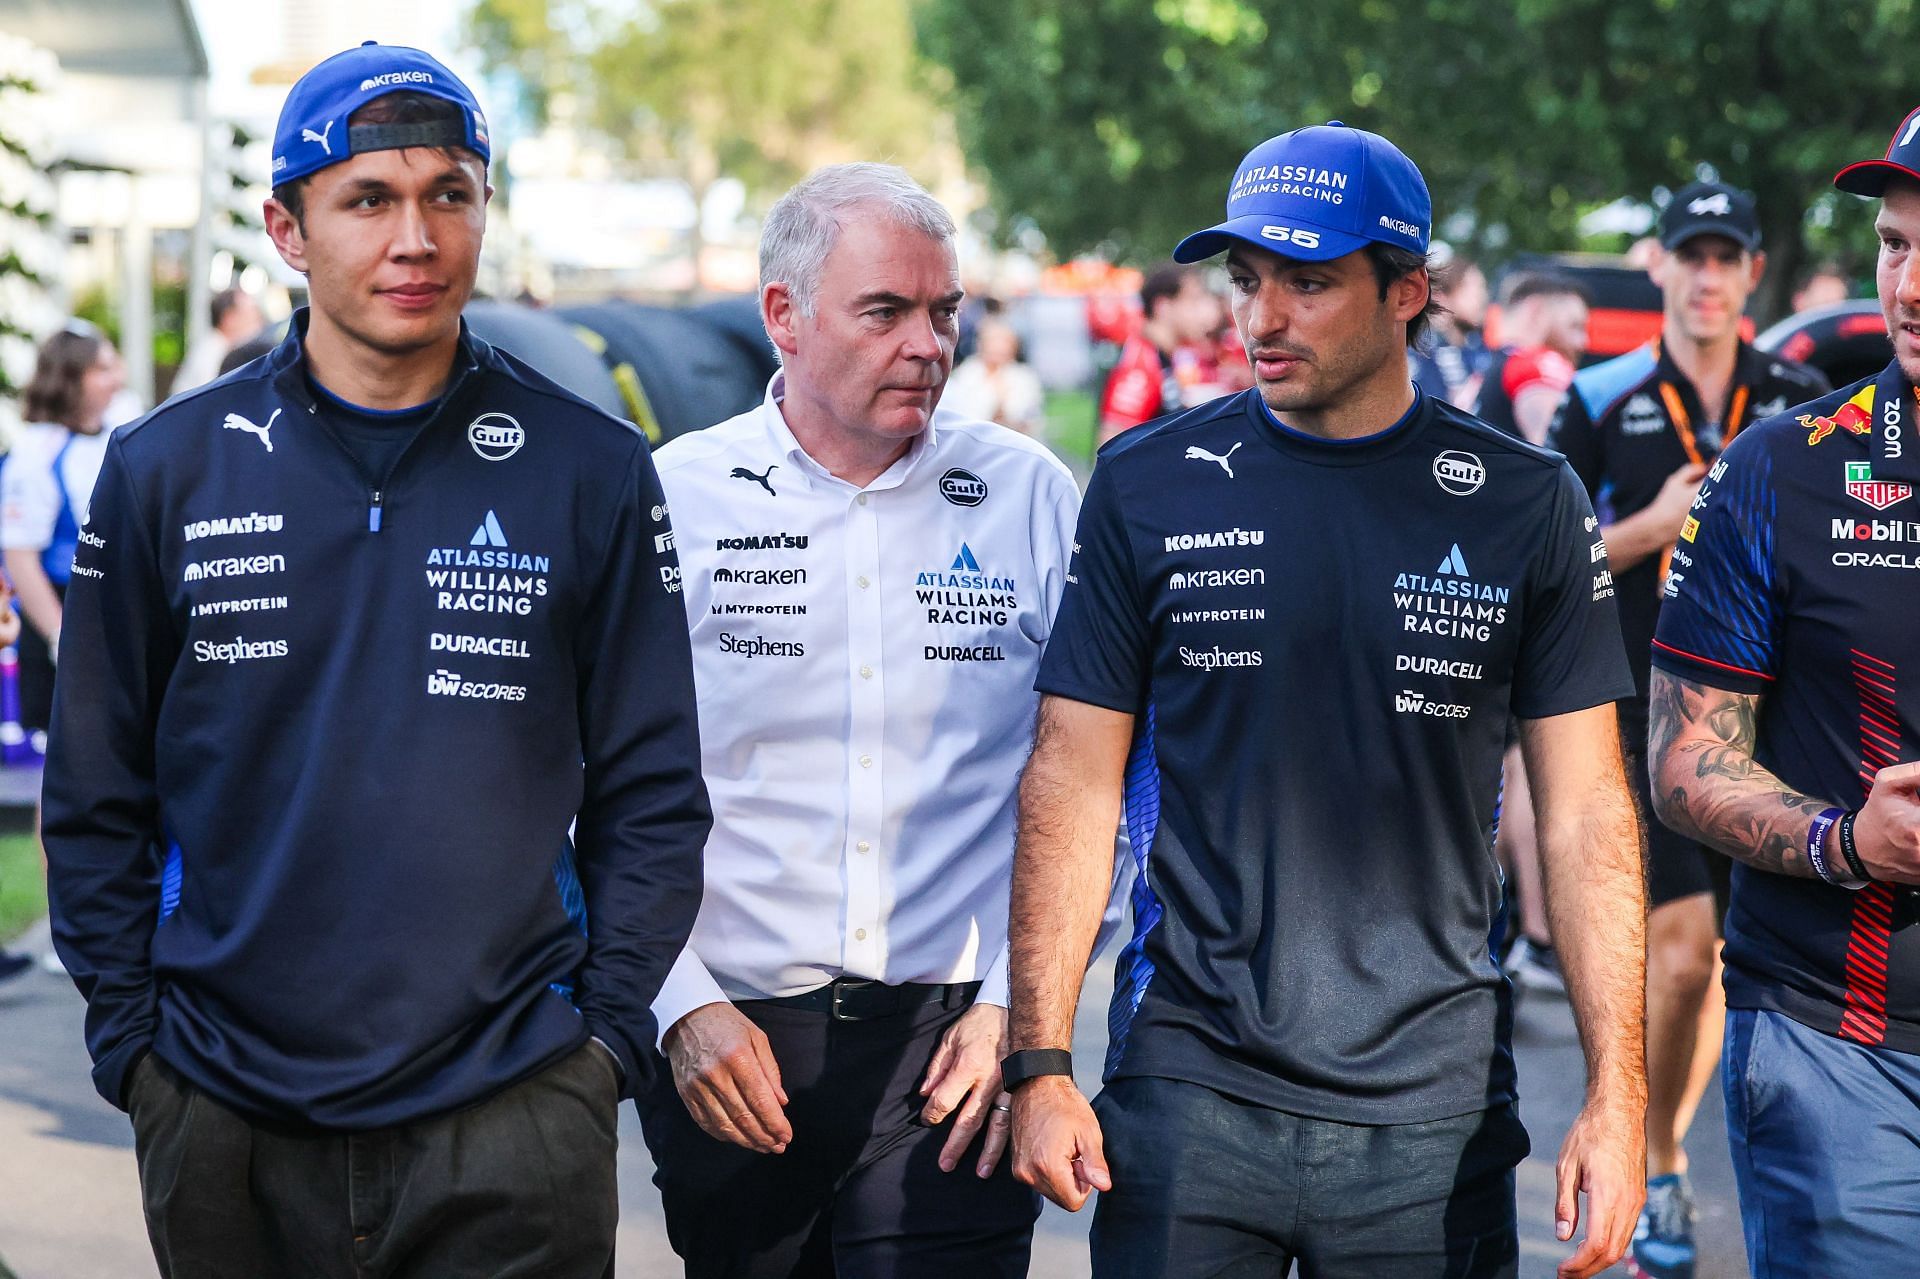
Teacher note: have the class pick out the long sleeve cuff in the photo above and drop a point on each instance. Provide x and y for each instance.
(688, 986)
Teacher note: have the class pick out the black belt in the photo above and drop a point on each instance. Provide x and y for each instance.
(853, 999)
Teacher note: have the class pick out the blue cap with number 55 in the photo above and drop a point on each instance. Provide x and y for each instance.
(1320, 193)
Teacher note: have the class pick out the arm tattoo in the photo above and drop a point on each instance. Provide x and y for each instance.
(1707, 784)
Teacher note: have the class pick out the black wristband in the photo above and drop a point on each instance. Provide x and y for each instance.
(1847, 849)
(1032, 1063)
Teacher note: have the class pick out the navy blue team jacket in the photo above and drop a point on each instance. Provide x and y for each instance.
(319, 737)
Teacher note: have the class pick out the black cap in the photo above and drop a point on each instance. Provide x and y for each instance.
(1902, 160)
(1709, 208)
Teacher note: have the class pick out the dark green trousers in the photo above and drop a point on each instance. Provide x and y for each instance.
(519, 1185)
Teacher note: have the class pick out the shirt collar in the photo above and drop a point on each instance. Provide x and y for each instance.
(781, 439)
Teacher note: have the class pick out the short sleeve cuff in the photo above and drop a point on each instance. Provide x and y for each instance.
(1127, 703)
(1565, 701)
(1705, 670)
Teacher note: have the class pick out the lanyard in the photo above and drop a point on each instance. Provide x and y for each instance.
(1683, 427)
(1683, 422)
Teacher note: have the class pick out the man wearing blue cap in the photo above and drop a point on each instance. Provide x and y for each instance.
(1297, 624)
(1786, 734)
(373, 805)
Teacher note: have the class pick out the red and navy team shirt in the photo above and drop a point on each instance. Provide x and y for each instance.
(1141, 387)
(1797, 578)
(1322, 643)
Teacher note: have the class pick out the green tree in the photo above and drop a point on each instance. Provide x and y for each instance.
(759, 90)
(1118, 122)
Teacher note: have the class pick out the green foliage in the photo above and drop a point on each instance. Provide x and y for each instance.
(23, 887)
(100, 309)
(1119, 122)
(760, 90)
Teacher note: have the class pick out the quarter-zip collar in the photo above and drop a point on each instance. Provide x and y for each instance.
(290, 378)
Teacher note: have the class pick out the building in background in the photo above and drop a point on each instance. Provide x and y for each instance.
(128, 124)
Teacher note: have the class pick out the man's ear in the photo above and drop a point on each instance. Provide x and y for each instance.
(1410, 294)
(780, 316)
(289, 239)
(1657, 259)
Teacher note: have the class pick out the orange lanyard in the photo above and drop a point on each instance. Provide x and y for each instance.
(1683, 427)
(1683, 424)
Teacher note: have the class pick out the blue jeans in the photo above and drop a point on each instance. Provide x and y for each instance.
(1826, 1149)
(1206, 1187)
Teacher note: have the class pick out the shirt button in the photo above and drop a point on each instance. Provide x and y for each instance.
(862, 582)
(862, 499)
(864, 846)
(866, 761)
(859, 934)
(866, 672)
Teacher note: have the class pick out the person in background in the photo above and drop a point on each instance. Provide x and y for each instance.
(995, 385)
(1544, 326)
(1178, 311)
(1824, 285)
(236, 319)
(11, 965)
(46, 483)
(1452, 354)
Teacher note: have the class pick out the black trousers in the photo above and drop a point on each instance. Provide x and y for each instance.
(1207, 1187)
(519, 1185)
(858, 1193)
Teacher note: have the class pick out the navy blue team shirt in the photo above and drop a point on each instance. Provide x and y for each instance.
(1322, 643)
(1796, 579)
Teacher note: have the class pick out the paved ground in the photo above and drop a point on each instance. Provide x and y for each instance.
(70, 1207)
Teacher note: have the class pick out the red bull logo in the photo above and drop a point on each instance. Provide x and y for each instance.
(1855, 417)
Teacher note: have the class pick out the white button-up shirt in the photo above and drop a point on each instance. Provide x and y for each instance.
(864, 660)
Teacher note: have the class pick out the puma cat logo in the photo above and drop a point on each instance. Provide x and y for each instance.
(1197, 454)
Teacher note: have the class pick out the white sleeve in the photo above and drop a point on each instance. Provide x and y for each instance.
(29, 502)
(688, 986)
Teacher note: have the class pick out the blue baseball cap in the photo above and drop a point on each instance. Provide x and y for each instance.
(1902, 160)
(313, 132)
(1319, 193)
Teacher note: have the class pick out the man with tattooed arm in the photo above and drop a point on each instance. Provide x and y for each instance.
(1786, 733)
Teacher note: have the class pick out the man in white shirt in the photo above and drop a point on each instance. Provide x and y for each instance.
(869, 585)
(236, 320)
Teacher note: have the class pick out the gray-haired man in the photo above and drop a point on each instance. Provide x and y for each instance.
(869, 586)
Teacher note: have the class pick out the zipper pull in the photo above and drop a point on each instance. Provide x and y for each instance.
(373, 513)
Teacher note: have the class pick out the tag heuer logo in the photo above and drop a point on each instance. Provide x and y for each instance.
(495, 436)
(1879, 494)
